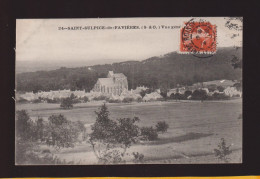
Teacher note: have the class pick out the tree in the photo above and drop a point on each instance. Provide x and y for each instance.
(142, 93)
(162, 126)
(149, 133)
(222, 151)
(212, 87)
(85, 99)
(236, 62)
(199, 95)
(66, 103)
(178, 96)
(238, 86)
(127, 131)
(220, 88)
(26, 137)
(220, 96)
(187, 93)
(60, 132)
(110, 139)
(40, 129)
(138, 157)
(24, 128)
(172, 96)
(164, 93)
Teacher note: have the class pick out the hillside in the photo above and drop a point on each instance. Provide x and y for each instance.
(166, 71)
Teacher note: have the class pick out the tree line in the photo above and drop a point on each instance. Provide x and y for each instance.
(157, 72)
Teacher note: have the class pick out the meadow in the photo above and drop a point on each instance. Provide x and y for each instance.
(195, 129)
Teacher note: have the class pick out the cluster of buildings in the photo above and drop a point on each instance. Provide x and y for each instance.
(228, 88)
(115, 87)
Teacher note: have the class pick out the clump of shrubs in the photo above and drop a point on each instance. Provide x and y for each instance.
(36, 101)
(114, 101)
(177, 96)
(66, 103)
(22, 100)
(218, 96)
(149, 133)
(223, 151)
(139, 99)
(125, 100)
(162, 126)
(57, 132)
(85, 99)
(128, 100)
(55, 100)
(138, 157)
(100, 98)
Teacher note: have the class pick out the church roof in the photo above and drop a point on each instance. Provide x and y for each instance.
(119, 75)
(106, 81)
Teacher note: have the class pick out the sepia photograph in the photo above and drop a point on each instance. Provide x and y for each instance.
(115, 91)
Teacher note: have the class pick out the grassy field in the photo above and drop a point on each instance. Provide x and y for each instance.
(195, 129)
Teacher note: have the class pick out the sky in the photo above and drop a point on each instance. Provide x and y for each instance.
(41, 40)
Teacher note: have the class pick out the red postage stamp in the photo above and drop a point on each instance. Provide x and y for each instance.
(198, 38)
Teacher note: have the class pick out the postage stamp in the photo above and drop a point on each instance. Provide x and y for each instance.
(198, 37)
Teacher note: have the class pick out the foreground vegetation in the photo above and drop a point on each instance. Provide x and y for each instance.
(109, 138)
(155, 132)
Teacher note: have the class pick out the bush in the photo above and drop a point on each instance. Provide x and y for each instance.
(220, 88)
(28, 153)
(149, 133)
(100, 98)
(52, 100)
(128, 100)
(22, 100)
(85, 99)
(223, 151)
(162, 126)
(139, 99)
(36, 101)
(66, 103)
(238, 86)
(199, 95)
(172, 96)
(220, 96)
(75, 101)
(179, 96)
(138, 158)
(80, 128)
(164, 94)
(142, 93)
(187, 93)
(212, 87)
(114, 101)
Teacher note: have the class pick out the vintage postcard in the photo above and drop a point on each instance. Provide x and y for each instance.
(114, 91)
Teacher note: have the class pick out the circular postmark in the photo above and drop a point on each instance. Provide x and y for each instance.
(198, 38)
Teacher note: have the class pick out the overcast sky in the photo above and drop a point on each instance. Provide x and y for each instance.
(40, 39)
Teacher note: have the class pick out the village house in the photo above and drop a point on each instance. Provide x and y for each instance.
(115, 84)
(232, 91)
(29, 96)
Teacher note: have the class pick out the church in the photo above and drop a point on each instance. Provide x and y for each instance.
(115, 84)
